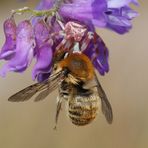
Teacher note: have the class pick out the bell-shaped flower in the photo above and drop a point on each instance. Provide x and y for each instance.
(43, 50)
(8, 49)
(24, 51)
(119, 15)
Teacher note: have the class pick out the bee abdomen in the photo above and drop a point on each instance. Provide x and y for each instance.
(83, 109)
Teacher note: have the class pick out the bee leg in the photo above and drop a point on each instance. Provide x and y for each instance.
(59, 104)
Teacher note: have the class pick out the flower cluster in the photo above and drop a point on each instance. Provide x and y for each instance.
(111, 14)
(66, 25)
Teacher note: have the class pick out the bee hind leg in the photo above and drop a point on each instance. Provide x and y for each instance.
(59, 105)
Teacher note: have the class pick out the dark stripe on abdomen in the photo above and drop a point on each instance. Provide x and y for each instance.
(82, 110)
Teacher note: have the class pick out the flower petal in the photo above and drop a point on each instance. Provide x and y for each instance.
(44, 61)
(128, 13)
(98, 53)
(41, 32)
(43, 49)
(119, 24)
(24, 49)
(43, 76)
(119, 19)
(120, 3)
(9, 46)
(92, 11)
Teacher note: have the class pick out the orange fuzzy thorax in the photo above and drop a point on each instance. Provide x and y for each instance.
(79, 65)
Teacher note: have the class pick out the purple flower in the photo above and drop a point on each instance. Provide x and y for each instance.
(74, 9)
(93, 14)
(112, 14)
(43, 50)
(119, 15)
(98, 53)
(43, 36)
(90, 11)
(24, 49)
(9, 46)
(115, 15)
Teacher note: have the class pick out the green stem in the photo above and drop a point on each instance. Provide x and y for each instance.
(35, 12)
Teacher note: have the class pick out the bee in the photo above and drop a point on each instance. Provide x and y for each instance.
(71, 74)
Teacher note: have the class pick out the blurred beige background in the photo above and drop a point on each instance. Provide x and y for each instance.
(30, 125)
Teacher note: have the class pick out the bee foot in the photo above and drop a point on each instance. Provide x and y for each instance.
(55, 128)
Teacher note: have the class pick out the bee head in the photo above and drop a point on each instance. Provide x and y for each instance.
(79, 66)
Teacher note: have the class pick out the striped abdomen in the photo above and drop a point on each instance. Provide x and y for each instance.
(83, 109)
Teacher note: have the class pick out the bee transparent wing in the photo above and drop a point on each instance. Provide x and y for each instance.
(30, 91)
(106, 106)
(42, 95)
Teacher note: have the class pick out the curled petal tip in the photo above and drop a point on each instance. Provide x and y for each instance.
(8, 49)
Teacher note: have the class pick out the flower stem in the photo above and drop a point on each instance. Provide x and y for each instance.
(35, 12)
(49, 12)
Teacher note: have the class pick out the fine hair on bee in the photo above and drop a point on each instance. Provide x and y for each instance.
(71, 74)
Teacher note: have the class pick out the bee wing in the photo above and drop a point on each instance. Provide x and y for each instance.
(106, 106)
(26, 93)
(42, 95)
(29, 91)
